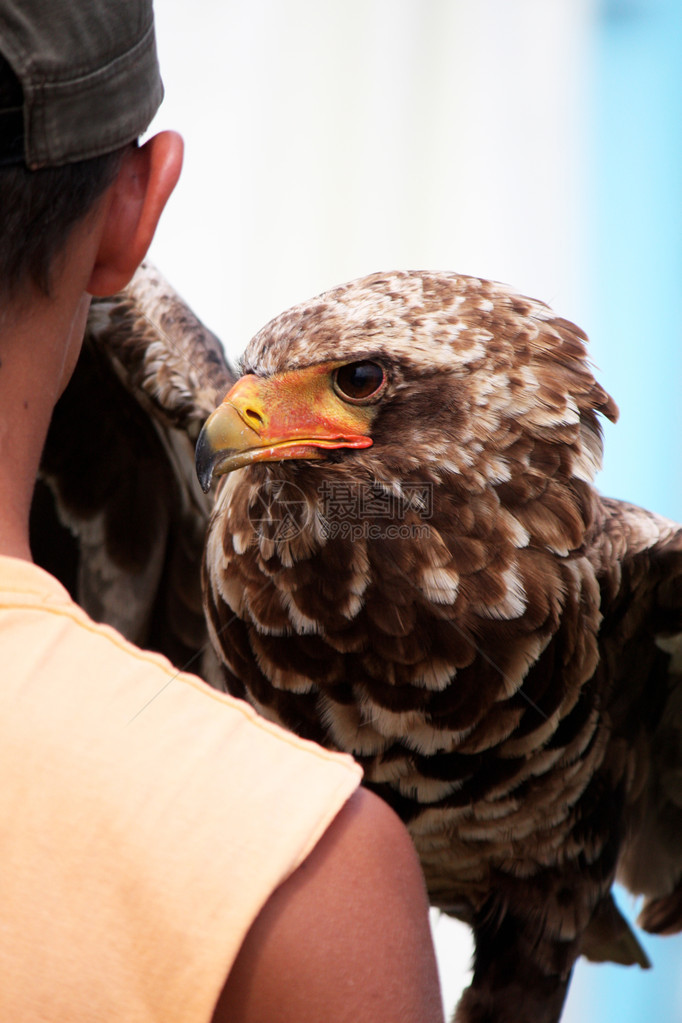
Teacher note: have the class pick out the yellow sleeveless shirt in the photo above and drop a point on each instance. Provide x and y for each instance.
(144, 819)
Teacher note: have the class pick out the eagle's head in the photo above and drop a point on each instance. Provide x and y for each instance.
(412, 377)
(406, 501)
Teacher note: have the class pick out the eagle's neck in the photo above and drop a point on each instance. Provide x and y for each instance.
(399, 646)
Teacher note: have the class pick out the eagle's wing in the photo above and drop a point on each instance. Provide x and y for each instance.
(118, 514)
(642, 650)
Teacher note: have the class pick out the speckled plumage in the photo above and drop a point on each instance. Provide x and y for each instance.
(454, 604)
(491, 660)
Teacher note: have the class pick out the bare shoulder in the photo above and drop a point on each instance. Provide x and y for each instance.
(346, 937)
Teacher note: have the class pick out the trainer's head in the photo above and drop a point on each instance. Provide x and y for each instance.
(79, 83)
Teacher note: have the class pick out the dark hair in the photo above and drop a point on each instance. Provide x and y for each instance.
(39, 208)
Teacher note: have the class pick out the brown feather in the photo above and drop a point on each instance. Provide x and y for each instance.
(117, 491)
(494, 666)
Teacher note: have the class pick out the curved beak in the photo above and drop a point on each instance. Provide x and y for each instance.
(269, 419)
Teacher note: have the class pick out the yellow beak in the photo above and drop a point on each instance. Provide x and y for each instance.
(268, 419)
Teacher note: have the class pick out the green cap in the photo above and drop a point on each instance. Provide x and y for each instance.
(87, 78)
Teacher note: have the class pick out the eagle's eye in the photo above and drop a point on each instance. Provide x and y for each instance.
(359, 381)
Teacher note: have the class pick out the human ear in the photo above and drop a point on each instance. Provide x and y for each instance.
(135, 201)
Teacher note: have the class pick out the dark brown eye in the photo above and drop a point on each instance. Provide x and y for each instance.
(359, 381)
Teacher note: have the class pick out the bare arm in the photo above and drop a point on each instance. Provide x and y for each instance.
(346, 938)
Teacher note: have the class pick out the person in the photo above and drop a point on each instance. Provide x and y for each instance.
(164, 853)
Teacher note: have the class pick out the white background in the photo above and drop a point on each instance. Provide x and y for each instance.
(326, 140)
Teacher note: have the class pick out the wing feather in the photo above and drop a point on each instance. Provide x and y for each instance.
(641, 573)
(119, 516)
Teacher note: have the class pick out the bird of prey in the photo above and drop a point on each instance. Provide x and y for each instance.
(118, 515)
(407, 560)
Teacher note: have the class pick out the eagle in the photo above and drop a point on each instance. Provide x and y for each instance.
(406, 559)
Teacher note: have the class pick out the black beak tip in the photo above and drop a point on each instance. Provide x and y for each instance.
(204, 458)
